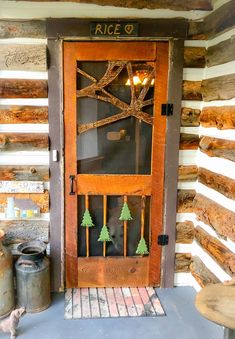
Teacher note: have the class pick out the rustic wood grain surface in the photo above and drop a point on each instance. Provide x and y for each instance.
(23, 115)
(218, 217)
(217, 303)
(201, 273)
(220, 253)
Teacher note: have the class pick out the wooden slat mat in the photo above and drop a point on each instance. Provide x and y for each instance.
(85, 303)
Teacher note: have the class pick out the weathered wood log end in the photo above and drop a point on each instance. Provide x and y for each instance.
(189, 141)
(23, 142)
(22, 173)
(23, 88)
(219, 218)
(220, 253)
(186, 201)
(219, 88)
(23, 57)
(23, 115)
(187, 173)
(194, 57)
(192, 90)
(184, 232)
(201, 273)
(190, 117)
(22, 29)
(220, 117)
(218, 182)
(182, 262)
(221, 53)
(215, 147)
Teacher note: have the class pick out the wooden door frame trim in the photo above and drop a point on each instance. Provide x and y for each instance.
(172, 160)
(79, 29)
(55, 108)
(55, 79)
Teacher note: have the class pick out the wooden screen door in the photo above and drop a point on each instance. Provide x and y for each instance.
(114, 162)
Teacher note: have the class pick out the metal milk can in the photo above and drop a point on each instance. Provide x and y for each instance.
(33, 277)
(7, 300)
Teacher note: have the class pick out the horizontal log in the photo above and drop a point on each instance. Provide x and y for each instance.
(23, 142)
(25, 230)
(22, 29)
(201, 273)
(192, 90)
(203, 5)
(21, 88)
(187, 173)
(215, 23)
(182, 262)
(41, 199)
(23, 57)
(221, 148)
(189, 141)
(221, 53)
(190, 116)
(196, 30)
(21, 173)
(186, 201)
(21, 187)
(219, 88)
(194, 57)
(23, 115)
(184, 232)
(220, 253)
(220, 117)
(218, 182)
(218, 217)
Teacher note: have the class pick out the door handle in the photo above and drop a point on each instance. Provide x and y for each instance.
(71, 177)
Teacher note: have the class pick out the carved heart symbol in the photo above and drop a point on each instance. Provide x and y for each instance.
(129, 29)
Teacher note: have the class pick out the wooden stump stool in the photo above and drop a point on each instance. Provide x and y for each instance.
(217, 303)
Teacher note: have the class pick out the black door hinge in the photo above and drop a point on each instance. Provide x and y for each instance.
(167, 109)
(163, 239)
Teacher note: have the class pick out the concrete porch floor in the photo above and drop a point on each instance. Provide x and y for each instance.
(182, 321)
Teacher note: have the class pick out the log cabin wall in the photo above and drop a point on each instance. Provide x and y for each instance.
(24, 142)
(25, 155)
(213, 248)
(194, 63)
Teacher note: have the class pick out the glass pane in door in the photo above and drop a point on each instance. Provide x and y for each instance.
(114, 113)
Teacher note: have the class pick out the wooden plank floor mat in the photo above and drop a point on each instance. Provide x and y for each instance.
(85, 303)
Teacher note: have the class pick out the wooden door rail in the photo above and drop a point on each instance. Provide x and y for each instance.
(98, 184)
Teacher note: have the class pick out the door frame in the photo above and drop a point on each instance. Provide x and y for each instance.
(59, 30)
(147, 269)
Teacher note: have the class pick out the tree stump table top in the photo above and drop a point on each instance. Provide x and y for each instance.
(217, 303)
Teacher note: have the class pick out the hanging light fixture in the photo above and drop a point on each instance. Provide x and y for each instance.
(141, 75)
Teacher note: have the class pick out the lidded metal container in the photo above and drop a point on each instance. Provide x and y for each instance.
(7, 300)
(33, 277)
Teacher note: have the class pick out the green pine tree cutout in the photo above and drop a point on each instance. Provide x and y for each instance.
(142, 247)
(104, 234)
(86, 220)
(125, 213)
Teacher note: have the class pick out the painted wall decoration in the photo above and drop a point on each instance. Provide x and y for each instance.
(21, 209)
(21, 187)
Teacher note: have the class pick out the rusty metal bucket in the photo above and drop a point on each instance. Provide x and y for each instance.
(7, 299)
(33, 277)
